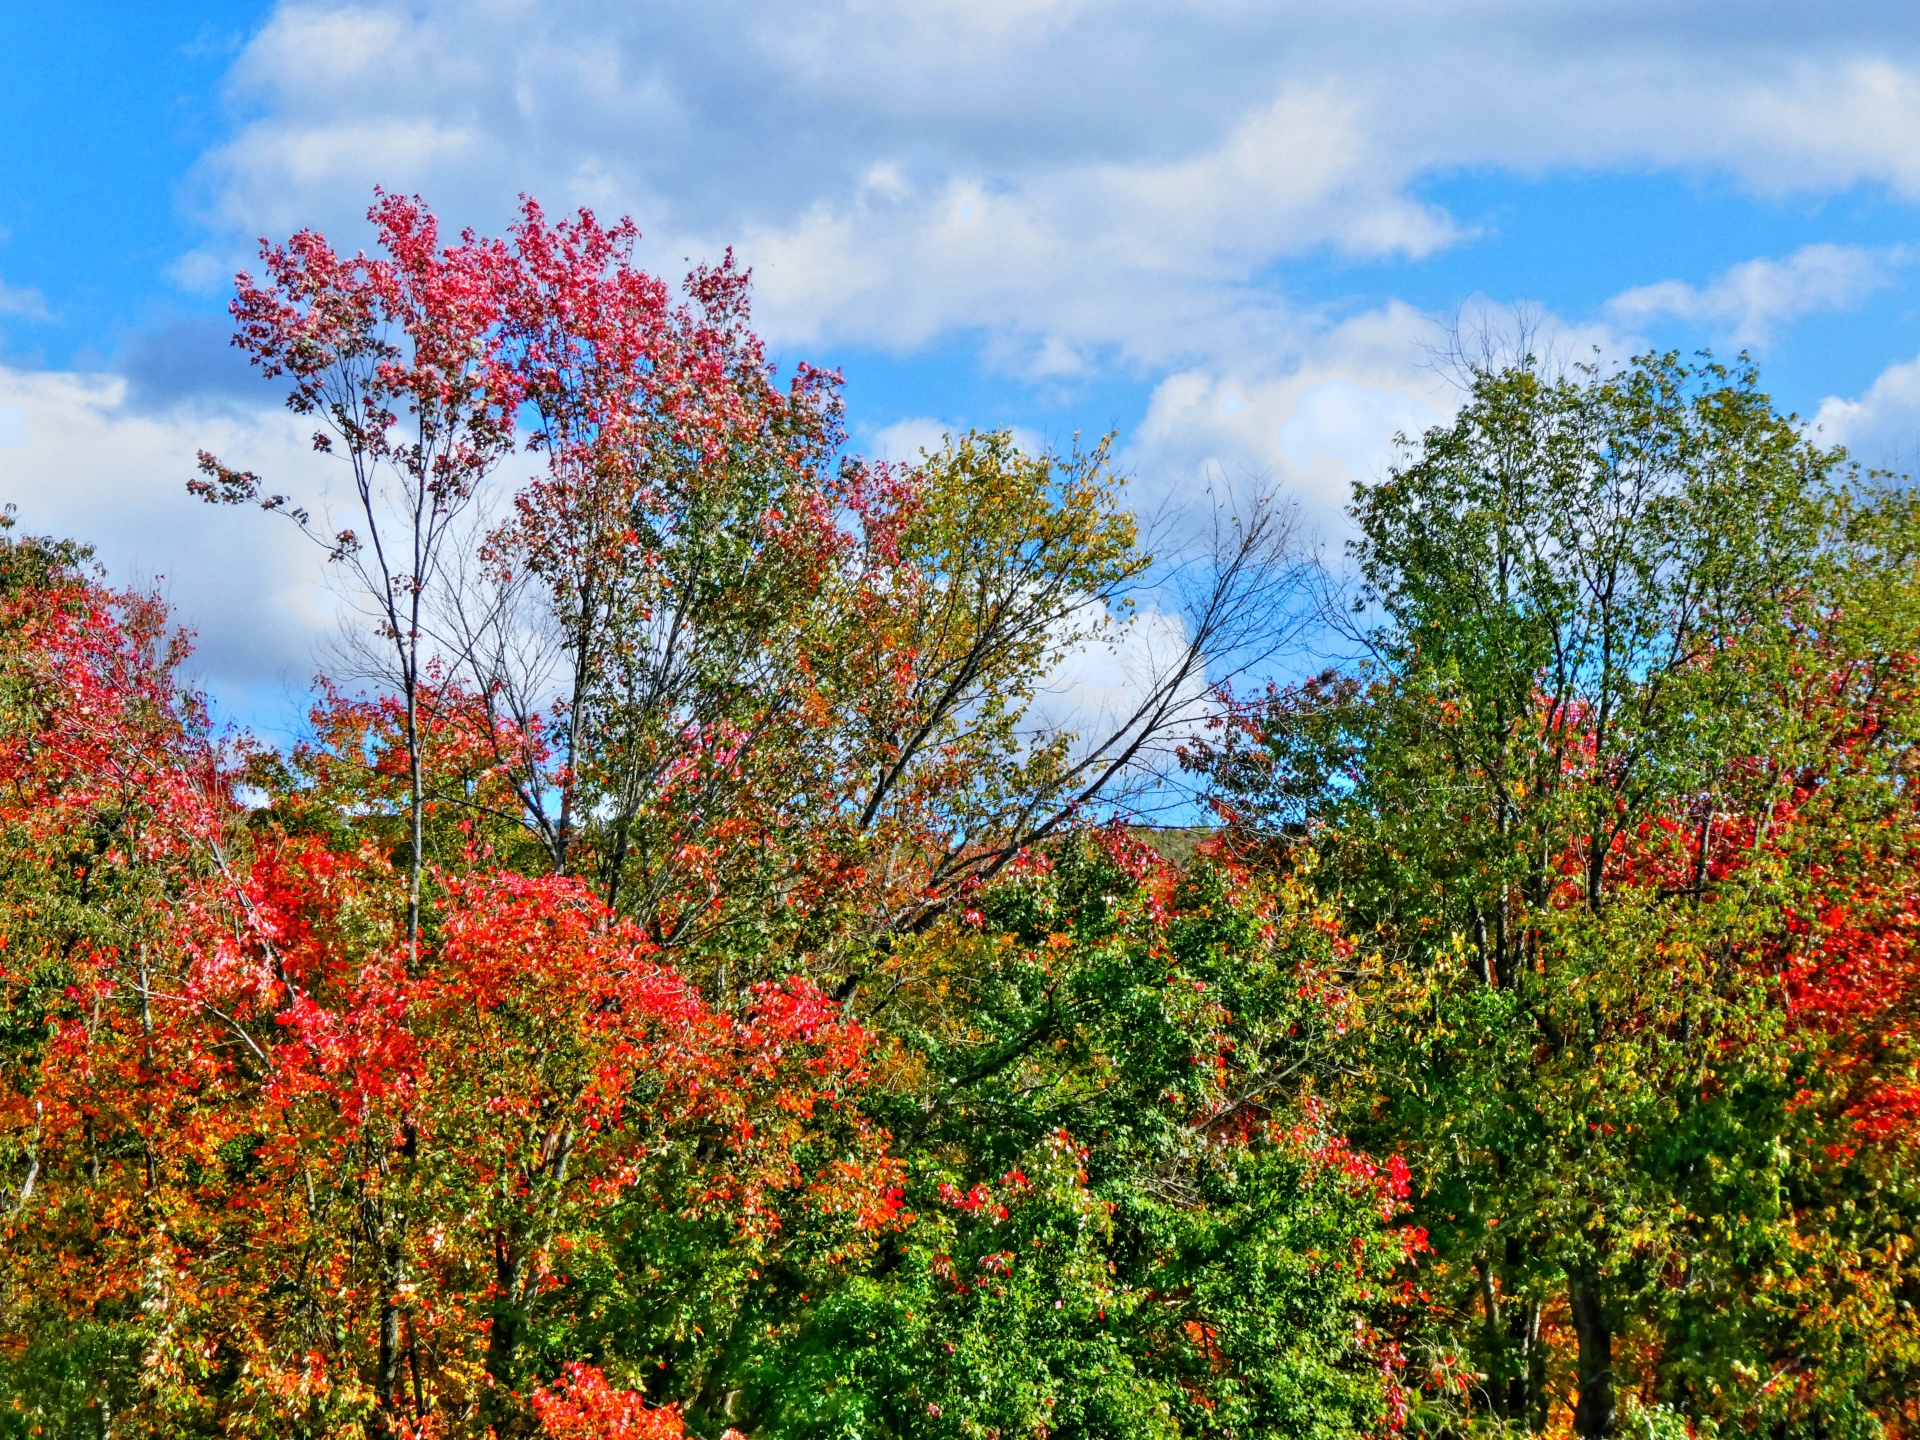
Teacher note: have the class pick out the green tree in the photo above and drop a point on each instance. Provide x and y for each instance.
(1124, 1214)
(1591, 592)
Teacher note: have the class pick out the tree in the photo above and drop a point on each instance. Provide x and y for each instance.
(278, 1168)
(654, 569)
(1122, 1214)
(470, 1068)
(273, 1170)
(399, 358)
(745, 685)
(1596, 595)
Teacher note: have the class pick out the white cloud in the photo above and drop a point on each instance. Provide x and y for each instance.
(1094, 690)
(1067, 177)
(1325, 412)
(82, 462)
(1314, 420)
(907, 440)
(1882, 426)
(1106, 254)
(1075, 186)
(1350, 428)
(23, 302)
(1747, 301)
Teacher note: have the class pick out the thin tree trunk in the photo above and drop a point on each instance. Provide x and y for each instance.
(503, 1339)
(1522, 1399)
(1593, 1415)
(1535, 1415)
(1518, 1391)
(386, 1386)
(416, 782)
(389, 1397)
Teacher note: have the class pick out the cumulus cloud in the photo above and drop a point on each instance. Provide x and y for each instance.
(83, 460)
(1075, 188)
(1313, 434)
(1145, 259)
(24, 303)
(1881, 426)
(907, 440)
(1077, 177)
(1745, 303)
(1330, 409)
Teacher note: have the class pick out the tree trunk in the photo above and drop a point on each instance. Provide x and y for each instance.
(1593, 1416)
(1517, 1360)
(416, 823)
(388, 1395)
(503, 1340)
(386, 1385)
(1526, 1388)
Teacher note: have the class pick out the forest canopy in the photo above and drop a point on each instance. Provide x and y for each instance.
(692, 979)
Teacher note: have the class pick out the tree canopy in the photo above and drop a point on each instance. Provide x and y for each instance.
(689, 981)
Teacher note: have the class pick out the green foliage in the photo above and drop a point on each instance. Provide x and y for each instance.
(1122, 1214)
(699, 999)
(34, 562)
(1577, 809)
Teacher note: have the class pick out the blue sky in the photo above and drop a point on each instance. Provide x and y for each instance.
(1233, 232)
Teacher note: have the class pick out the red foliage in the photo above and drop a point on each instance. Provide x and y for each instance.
(1828, 833)
(251, 1116)
(584, 1407)
(364, 338)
